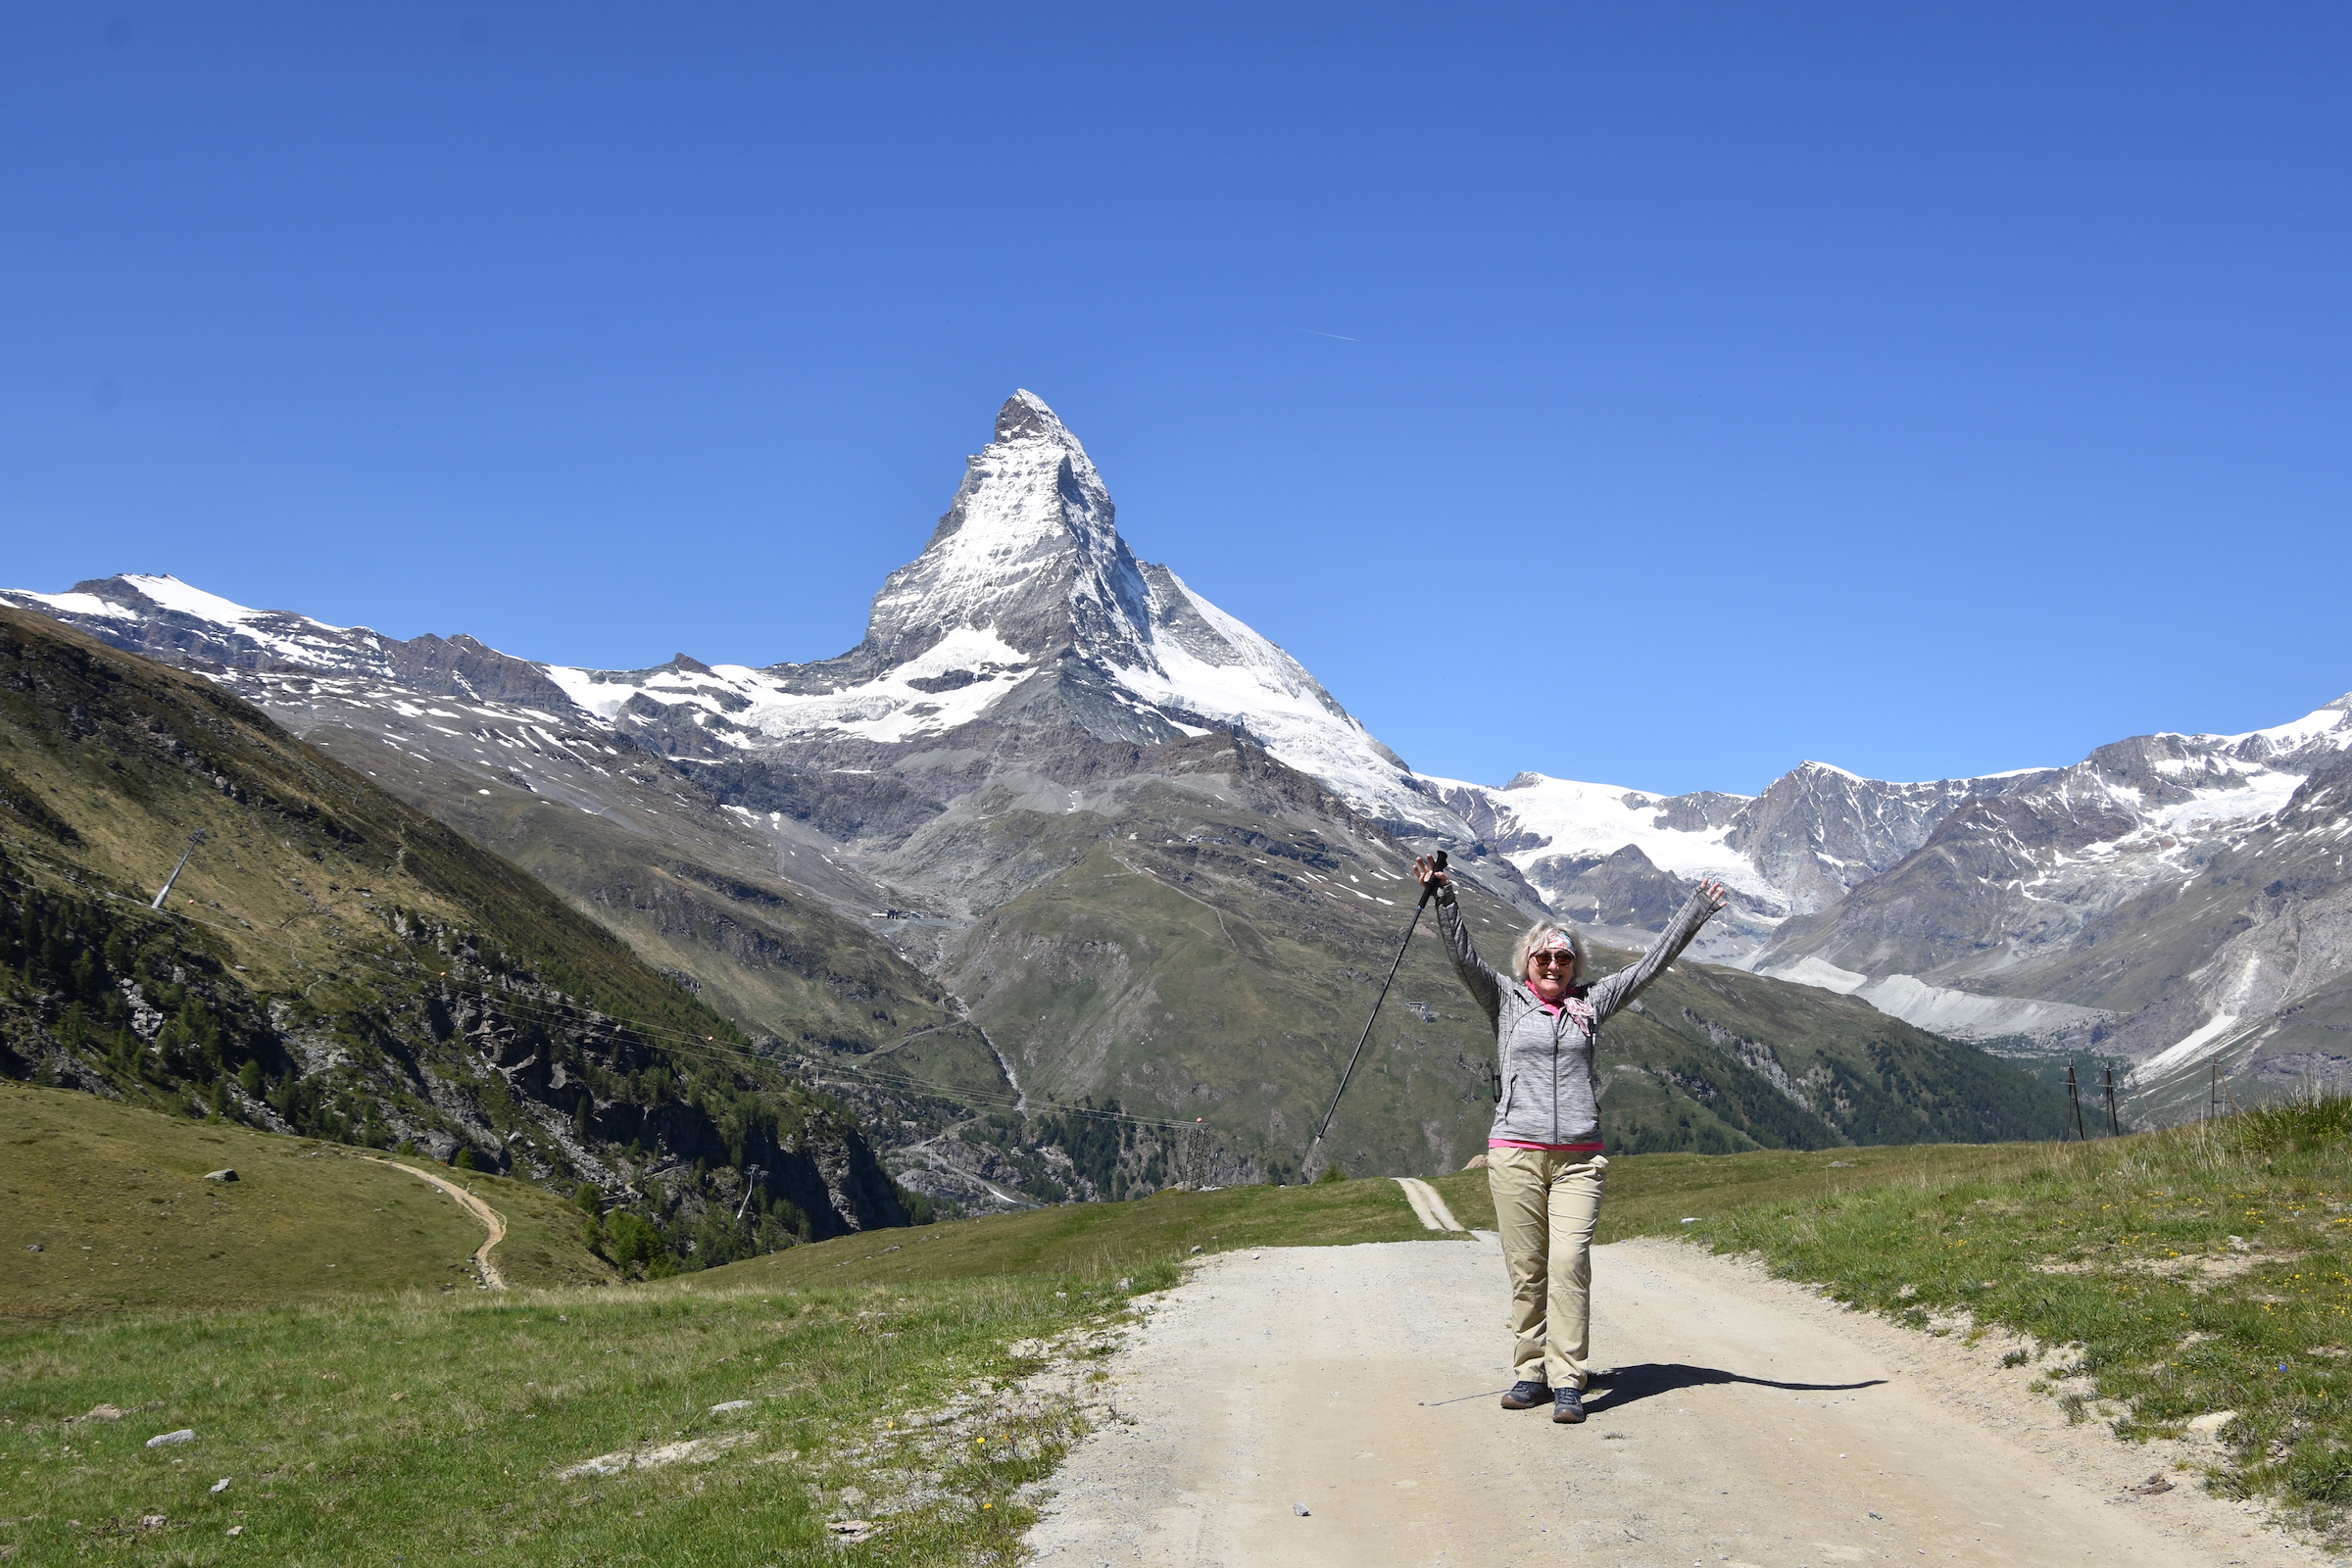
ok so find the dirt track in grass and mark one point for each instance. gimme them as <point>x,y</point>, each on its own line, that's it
<point>492,1221</point>
<point>1746,1422</point>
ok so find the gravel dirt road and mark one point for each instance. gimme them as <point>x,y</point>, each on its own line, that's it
<point>1749,1422</point>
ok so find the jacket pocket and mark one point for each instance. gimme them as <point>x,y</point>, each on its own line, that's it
<point>1510,1096</point>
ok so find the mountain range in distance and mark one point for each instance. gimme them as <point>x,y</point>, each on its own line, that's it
<point>920,865</point>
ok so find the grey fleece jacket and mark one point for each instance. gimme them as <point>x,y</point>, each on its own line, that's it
<point>1550,1084</point>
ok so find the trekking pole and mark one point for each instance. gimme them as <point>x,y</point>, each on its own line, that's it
<point>1428,888</point>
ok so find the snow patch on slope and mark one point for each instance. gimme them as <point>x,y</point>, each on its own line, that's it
<point>2263,792</point>
<point>1961,1014</point>
<point>2195,1047</point>
<point>79,604</point>
<point>1238,679</point>
<point>2331,724</point>
<point>172,594</point>
<point>2210,1038</point>
<point>759,707</point>
<point>1592,820</point>
<point>294,638</point>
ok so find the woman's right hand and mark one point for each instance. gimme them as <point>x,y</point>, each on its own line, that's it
<point>1429,872</point>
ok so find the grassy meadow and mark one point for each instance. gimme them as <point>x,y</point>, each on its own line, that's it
<point>1651,1195</point>
<point>423,1429</point>
<point>1099,1237</point>
<point>112,1196</point>
<point>382,1418</point>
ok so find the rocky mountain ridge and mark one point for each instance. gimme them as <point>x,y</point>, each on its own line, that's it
<point>334,963</point>
<point>856,855</point>
<point>2048,905</point>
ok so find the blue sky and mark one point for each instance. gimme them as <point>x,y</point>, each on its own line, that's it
<point>1653,393</point>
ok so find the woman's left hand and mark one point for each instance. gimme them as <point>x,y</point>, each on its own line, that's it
<point>1716,895</point>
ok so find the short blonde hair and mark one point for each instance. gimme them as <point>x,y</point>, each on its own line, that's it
<point>1542,931</point>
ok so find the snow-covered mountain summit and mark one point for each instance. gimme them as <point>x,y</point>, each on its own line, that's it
<point>1028,549</point>
<point>1027,608</point>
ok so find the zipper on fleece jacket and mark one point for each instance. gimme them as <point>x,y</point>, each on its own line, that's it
<point>1559,1021</point>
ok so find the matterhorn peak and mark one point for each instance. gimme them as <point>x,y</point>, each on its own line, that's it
<point>1025,417</point>
<point>1027,608</point>
<point>1028,552</point>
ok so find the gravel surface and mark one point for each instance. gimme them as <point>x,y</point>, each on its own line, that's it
<point>1749,1422</point>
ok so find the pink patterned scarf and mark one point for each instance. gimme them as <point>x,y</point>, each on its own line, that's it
<point>1576,1007</point>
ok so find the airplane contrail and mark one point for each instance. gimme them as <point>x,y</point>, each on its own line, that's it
<point>1342,338</point>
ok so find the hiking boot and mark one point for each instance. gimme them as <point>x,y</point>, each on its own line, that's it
<point>1567,1405</point>
<point>1525,1396</point>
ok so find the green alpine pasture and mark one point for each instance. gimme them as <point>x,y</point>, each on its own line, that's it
<point>105,1207</point>
<point>1651,1195</point>
<point>422,1429</point>
<point>1101,1238</point>
<point>2152,1280</point>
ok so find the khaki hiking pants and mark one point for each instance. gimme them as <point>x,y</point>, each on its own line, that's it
<point>1547,1205</point>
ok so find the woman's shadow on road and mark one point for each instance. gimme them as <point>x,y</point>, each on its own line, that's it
<point>1646,1380</point>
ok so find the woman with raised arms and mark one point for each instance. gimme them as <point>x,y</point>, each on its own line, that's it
<point>1545,1165</point>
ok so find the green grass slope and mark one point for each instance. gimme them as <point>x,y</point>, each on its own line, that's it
<point>1652,1195</point>
<point>1099,1237</point>
<point>104,1207</point>
<point>2202,1270</point>
<point>431,1429</point>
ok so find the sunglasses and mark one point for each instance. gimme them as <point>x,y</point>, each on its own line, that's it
<point>1552,960</point>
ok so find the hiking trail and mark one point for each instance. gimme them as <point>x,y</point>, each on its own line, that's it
<point>1746,1423</point>
<point>492,1221</point>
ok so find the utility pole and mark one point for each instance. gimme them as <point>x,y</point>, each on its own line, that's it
<point>194,839</point>
<point>2115,1128</point>
<point>2074,1107</point>
<point>750,1183</point>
